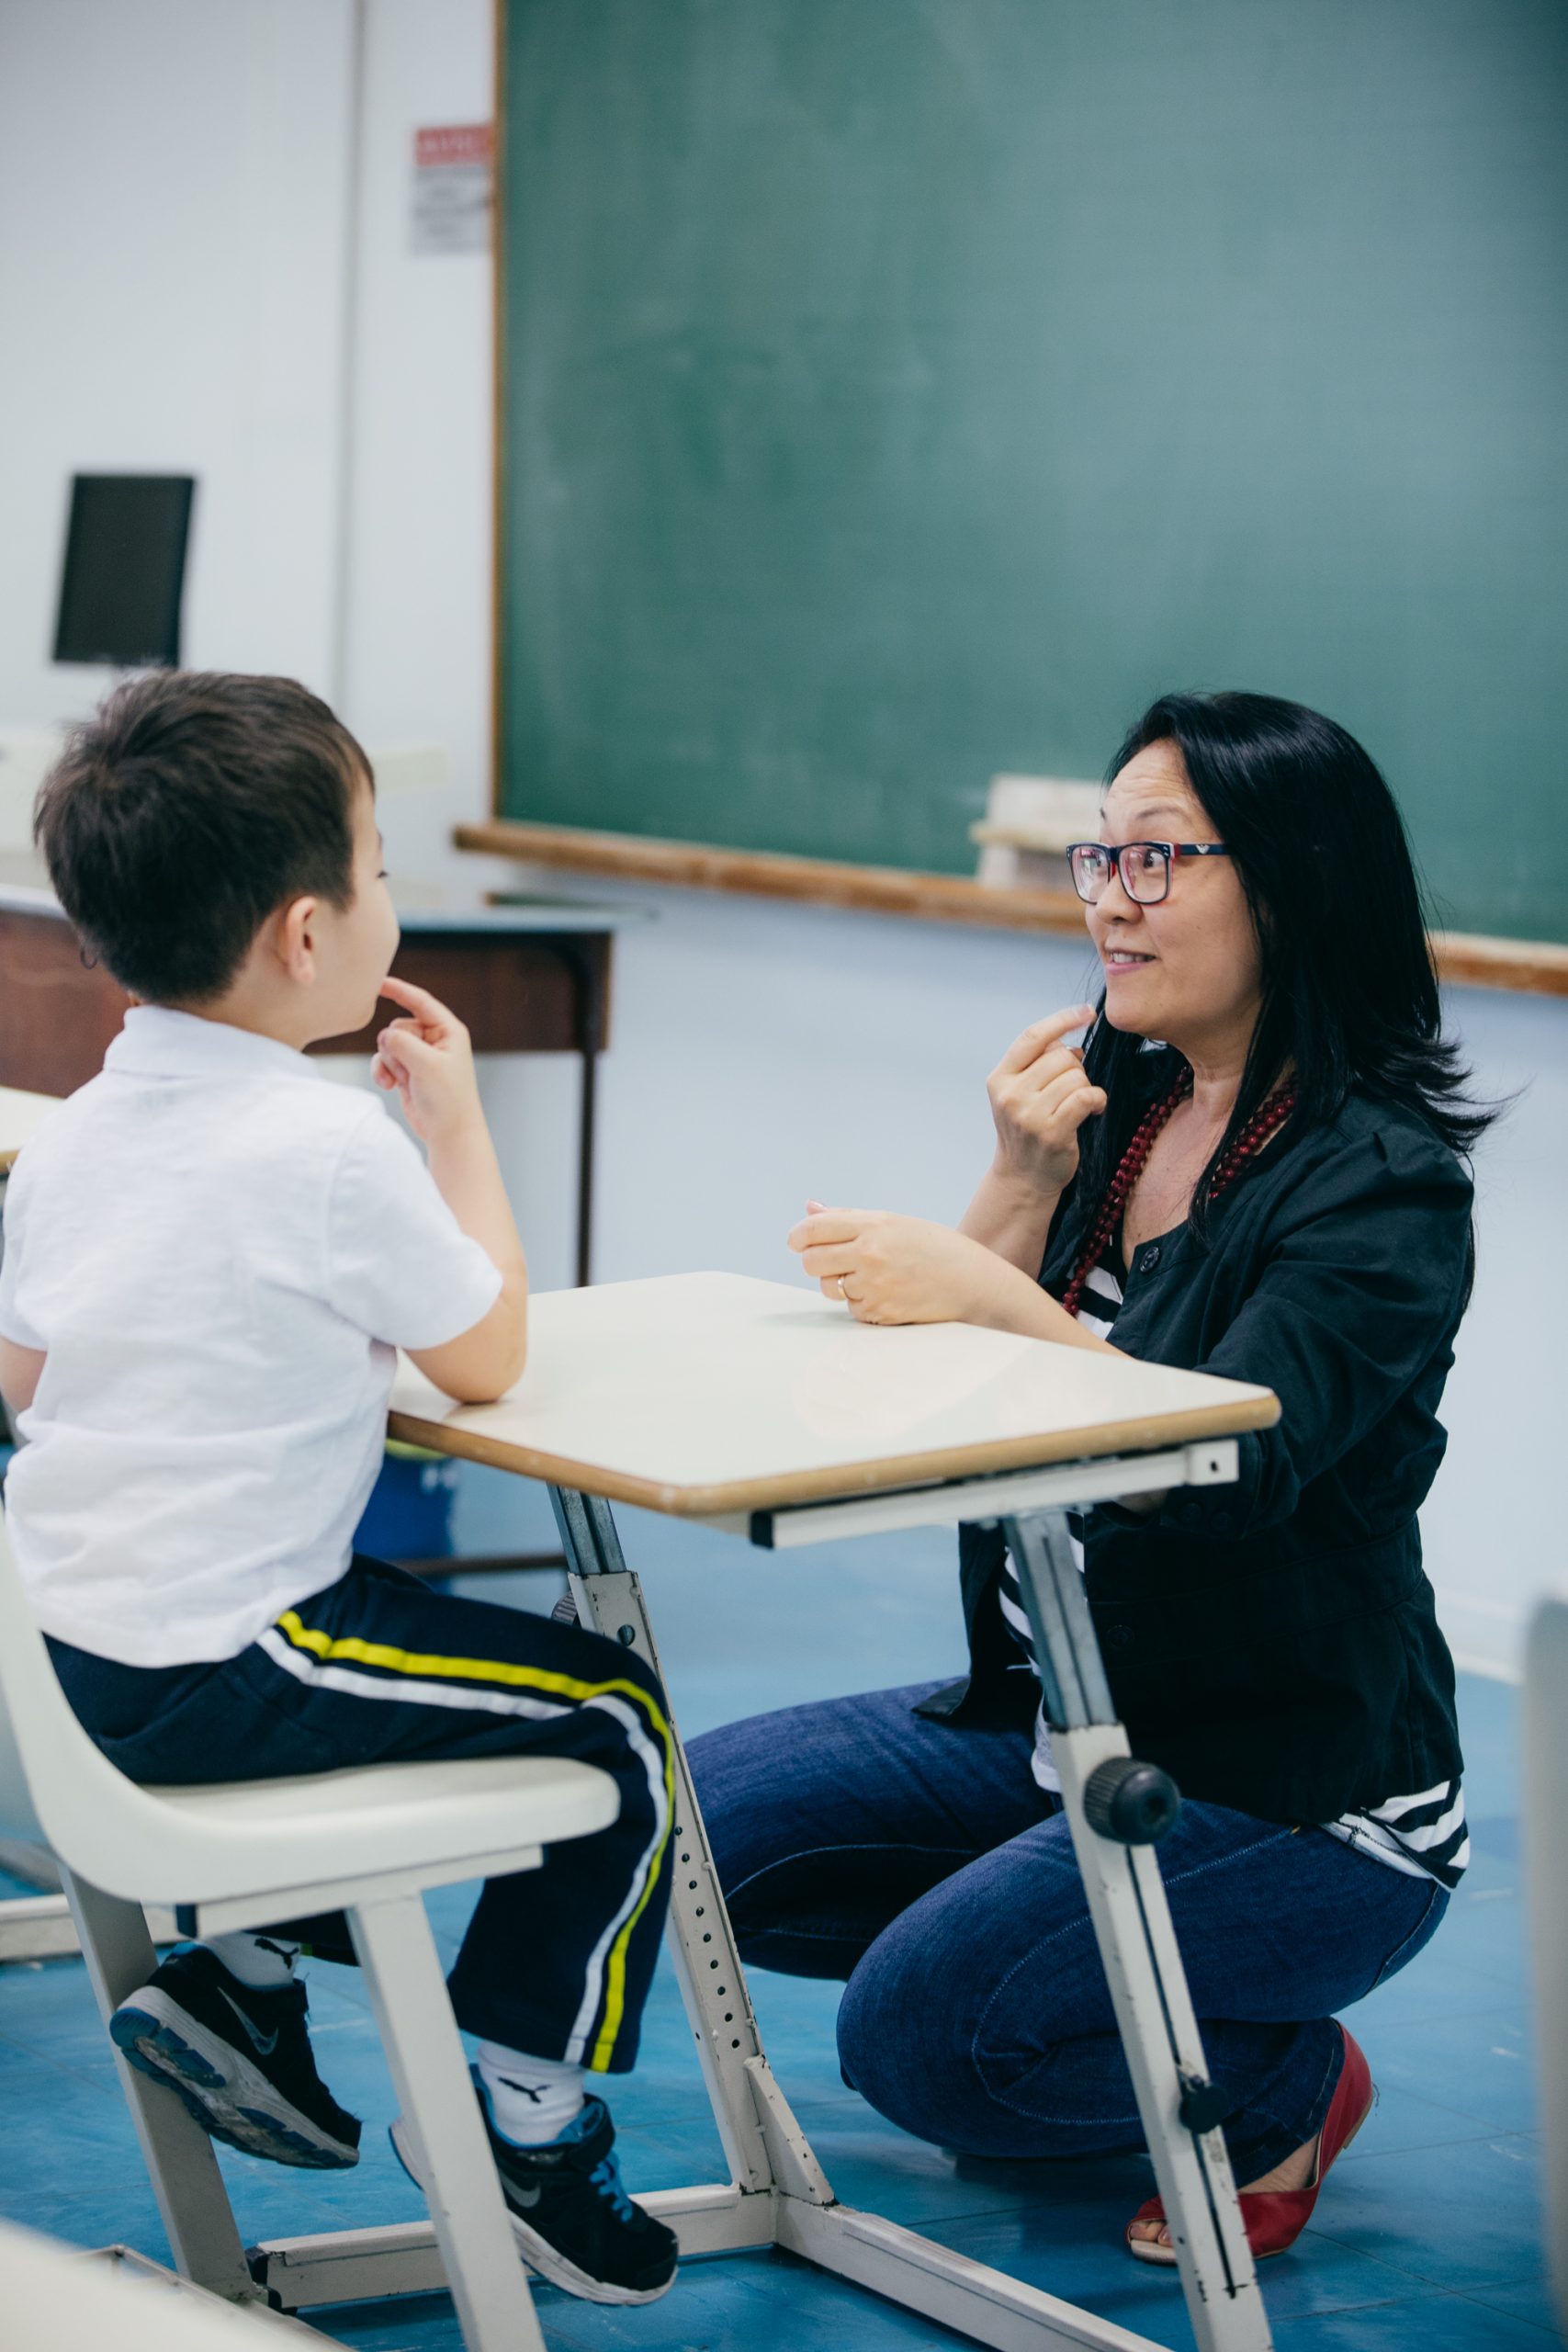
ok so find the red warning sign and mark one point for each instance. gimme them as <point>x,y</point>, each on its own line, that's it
<point>453,143</point>
<point>452,187</point>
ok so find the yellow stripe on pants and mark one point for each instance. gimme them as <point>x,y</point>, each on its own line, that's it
<point>505,1671</point>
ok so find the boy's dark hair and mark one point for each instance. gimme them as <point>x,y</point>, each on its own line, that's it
<point>191,807</point>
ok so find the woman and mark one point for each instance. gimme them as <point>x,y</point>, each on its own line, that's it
<point>1254,1168</point>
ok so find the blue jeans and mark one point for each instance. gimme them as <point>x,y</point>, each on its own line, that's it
<point>920,1863</point>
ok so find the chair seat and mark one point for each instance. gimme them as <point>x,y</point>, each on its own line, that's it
<point>214,1842</point>
<point>243,1854</point>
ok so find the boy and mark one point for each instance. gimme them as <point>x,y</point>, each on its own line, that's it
<point>212,1252</point>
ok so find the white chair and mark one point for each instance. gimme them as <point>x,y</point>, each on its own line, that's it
<point>60,2300</point>
<point>249,1854</point>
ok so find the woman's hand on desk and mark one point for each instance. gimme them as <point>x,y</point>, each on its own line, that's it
<point>891,1268</point>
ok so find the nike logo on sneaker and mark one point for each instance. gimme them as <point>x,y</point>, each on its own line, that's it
<point>263,2044</point>
<point>524,2197</point>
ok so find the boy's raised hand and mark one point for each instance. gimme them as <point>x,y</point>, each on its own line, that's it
<point>427,1059</point>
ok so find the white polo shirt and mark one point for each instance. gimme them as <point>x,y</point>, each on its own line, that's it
<point>219,1250</point>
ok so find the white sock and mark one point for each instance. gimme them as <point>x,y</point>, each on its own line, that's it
<point>263,1962</point>
<point>531,2099</point>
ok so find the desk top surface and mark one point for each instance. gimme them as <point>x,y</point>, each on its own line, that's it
<point>25,889</point>
<point>20,1113</point>
<point>705,1394</point>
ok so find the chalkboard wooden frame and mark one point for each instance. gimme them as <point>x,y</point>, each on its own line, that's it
<point>1538,967</point>
<point>1462,960</point>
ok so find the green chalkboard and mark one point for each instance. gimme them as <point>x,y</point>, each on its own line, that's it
<point>894,391</point>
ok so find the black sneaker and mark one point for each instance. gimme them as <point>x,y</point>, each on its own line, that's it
<point>240,2059</point>
<point>574,2222</point>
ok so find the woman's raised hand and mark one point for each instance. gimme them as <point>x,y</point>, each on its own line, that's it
<point>1040,1098</point>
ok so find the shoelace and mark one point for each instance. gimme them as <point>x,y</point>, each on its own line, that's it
<point>605,2178</point>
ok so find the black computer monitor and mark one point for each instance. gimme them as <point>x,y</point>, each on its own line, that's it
<point>124,576</point>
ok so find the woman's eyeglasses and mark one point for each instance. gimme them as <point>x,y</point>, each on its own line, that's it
<point>1144,866</point>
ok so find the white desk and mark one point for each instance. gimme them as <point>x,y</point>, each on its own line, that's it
<point>713,1396</point>
<point>763,1408</point>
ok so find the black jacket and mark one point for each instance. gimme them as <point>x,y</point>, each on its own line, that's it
<point>1273,1644</point>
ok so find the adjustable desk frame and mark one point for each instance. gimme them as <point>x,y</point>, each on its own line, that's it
<point>778,2193</point>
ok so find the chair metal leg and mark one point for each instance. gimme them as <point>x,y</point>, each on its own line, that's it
<point>180,2160</point>
<point>39,1926</point>
<point>413,2015</point>
<point>36,1927</point>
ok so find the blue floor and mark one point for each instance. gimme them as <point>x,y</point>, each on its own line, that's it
<point>1429,2233</point>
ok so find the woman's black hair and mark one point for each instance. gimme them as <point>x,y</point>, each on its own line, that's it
<point>1350,994</point>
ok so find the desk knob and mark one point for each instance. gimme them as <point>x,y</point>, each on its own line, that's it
<point>1132,1802</point>
<point>1203,2106</point>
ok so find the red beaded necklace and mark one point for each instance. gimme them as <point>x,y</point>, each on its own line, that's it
<point>1267,1119</point>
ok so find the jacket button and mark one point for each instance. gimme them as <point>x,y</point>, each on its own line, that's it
<point>1119,1637</point>
<point>1149,1259</point>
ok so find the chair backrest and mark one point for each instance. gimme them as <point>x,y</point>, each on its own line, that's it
<point>54,1785</point>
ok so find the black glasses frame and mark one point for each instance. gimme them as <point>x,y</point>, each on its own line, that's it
<point>1168,850</point>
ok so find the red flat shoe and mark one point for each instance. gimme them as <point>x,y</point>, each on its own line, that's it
<point>1275,2218</point>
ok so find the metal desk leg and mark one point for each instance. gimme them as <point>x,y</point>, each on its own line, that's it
<point>746,2104</point>
<point>588,958</point>
<point>1179,2109</point>
<point>587,1113</point>
<point>779,2195</point>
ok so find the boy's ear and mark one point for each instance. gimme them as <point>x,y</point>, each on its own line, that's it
<point>294,939</point>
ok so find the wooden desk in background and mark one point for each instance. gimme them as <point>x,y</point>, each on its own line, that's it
<point>527,977</point>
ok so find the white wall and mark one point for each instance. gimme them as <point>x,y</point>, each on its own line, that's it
<point>419,630</point>
<point>174,259</point>
<point>1494,1529</point>
<point>172,200</point>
